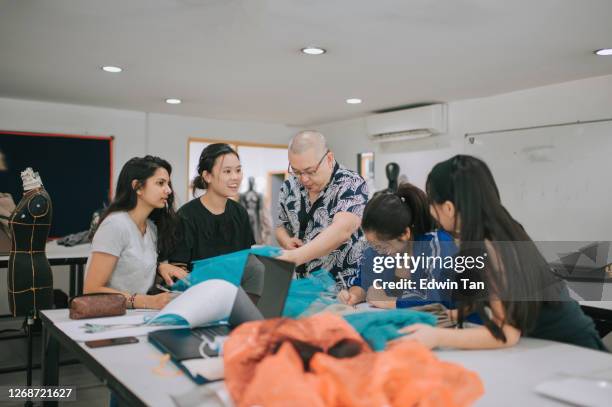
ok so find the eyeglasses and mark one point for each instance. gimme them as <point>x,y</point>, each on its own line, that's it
<point>308,174</point>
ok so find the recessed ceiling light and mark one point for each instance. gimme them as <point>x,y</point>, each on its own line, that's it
<point>353,101</point>
<point>313,51</point>
<point>604,51</point>
<point>111,69</point>
<point>174,101</point>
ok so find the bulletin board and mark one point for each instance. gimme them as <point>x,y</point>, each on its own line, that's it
<point>76,171</point>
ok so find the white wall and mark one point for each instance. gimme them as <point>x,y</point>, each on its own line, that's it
<point>136,134</point>
<point>567,102</point>
<point>127,127</point>
<point>168,136</point>
<point>582,100</point>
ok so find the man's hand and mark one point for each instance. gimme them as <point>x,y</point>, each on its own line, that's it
<point>291,256</point>
<point>292,243</point>
<point>285,240</point>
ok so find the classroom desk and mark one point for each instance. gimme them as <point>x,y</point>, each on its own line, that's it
<point>75,257</point>
<point>509,375</point>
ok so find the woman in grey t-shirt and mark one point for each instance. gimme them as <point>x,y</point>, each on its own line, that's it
<point>138,225</point>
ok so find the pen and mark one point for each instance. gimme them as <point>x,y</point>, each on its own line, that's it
<point>161,287</point>
<point>345,285</point>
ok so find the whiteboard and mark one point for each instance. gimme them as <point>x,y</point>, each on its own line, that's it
<point>555,180</point>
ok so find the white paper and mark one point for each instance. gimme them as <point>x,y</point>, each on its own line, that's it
<point>208,368</point>
<point>76,329</point>
<point>364,306</point>
<point>206,302</point>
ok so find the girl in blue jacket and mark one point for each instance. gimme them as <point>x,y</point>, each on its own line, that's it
<point>406,252</point>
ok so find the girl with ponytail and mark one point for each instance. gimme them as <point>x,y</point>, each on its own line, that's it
<point>398,223</point>
<point>214,224</point>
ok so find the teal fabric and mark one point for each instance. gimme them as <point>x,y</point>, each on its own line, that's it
<point>319,287</point>
<point>380,327</point>
<point>228,267</point>
<point>169,319</point>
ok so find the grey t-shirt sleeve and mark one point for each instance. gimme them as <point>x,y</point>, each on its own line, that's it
<point>111,237</point>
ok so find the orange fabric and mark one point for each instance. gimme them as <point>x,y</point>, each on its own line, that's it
<point>407,374</point>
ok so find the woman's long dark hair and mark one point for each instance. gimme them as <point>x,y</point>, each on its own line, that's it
<point>208,157</point>
<point>388,214</point>
<point>522,276</point>
<point>141,169</point>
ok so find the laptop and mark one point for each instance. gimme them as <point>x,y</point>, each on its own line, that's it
<point>262,294</point>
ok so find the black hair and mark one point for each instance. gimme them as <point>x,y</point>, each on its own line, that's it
<point>208,158</point>
<point>166,220</point>
<point>522,275</point>
<point>388,214</point>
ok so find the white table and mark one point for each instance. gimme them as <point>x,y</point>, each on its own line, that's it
<point>75,257</point>
<point>509,375</point>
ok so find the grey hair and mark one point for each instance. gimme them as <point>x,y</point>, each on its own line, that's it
<point>306,140</point>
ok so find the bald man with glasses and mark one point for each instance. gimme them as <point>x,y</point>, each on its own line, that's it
<point>320,210</point>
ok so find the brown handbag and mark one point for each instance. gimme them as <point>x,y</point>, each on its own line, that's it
<point>97,305</point>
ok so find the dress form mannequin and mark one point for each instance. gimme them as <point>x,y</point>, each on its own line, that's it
<point>392,170</point>
<point>253,203</point>
<point>30,282</point>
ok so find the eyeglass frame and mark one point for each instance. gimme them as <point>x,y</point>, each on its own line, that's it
<point>308,174</point>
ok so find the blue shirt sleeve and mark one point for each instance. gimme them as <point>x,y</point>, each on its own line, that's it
<point>438,245</point>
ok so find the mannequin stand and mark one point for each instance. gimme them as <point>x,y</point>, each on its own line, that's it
<point>29,325</point>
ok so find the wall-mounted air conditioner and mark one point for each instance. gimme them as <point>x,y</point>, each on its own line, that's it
<point>408,124</point>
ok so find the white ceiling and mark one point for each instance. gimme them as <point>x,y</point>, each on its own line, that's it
<point>240,59</point>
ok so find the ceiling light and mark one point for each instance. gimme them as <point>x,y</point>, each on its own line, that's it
<point>174,101</point>
<point>604,51</point>
<point>111,69</point>
<point>313,51</point>
<point>353,101</point>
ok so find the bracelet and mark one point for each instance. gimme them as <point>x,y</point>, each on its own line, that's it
<point>131,301</point>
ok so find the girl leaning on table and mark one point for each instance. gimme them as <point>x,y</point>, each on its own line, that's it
<point>521,296</point>
<point>137,228</point>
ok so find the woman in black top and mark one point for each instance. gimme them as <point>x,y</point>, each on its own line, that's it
<point>518,295</point>
<point>213,224</point>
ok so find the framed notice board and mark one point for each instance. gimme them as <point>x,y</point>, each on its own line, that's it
<point>75,170</point>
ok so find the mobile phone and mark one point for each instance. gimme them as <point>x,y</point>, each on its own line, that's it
<point>111,342</point>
